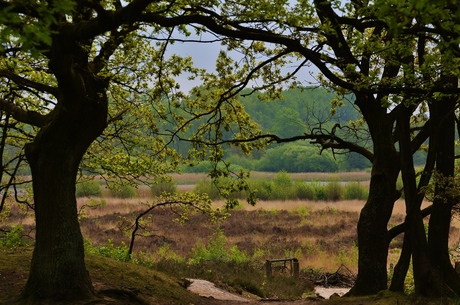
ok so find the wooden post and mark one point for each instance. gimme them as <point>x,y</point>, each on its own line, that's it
<point>296,268</point>
<point>268,268</point>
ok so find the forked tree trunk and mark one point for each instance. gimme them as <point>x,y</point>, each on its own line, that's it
<point>58,269</point>
<point>415,242</point>
<point>373,238</point>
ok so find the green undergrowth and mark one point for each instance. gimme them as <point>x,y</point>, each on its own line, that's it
<point>216,261</point>
<point>155,285</point>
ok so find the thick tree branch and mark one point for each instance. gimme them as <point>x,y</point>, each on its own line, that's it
<point>28,83</point>
<point>29,117</point>
<point>325,140</point>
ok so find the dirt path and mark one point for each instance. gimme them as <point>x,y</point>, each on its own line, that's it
<point>209,290</point>
<point>219,296</point>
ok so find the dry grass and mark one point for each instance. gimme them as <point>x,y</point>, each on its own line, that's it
<point>342,176</point>
<point>322,235</point>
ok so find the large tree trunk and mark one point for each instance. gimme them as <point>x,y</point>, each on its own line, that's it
<point>58,269</point>
<point>373,238</point>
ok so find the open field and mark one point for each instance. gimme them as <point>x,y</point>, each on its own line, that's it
<point>322,235</point>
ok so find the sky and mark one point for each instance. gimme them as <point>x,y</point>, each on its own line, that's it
<point>205,54</point>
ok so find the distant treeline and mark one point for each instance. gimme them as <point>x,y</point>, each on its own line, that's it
<point>300,111</point>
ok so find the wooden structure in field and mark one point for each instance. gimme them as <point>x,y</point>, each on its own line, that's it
<point>290,265</point>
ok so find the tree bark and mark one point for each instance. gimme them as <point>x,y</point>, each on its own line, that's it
<point>58,269</point>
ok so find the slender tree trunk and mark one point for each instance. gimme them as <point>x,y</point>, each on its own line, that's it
<point>439,224</point>
<point>415,242</point>
<point>58,269</point>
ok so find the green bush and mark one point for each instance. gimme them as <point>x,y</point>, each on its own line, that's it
<point>319,190</point>
<point>164,187</point>
<point>305,191</point>
<point>283,192</point>
<point>217,249</point>
<point>207,187</point>
<point>13,238</point>
<point>283,179</point>
<point>334,191</point>
<point>264,188</point>
<point>88,188</point>
<point>355,190</point>
<point>123,191</point>
<point>119,253</point>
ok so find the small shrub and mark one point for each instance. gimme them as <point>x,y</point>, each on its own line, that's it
<point>304,191</point>
<point>264,189</point>
<point>283,179</point>
<point>320,190</point>
<point>334,191</point>
<point>303,211</point>
<point>88,188</point>
<point>119,253</point>
<point>355,190</point>
<point>217,249</point>
<point>207,187</point>
<point>13,238</point>
<point>164,187</point>
<point>281,192</point>
<point>123,191</point>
